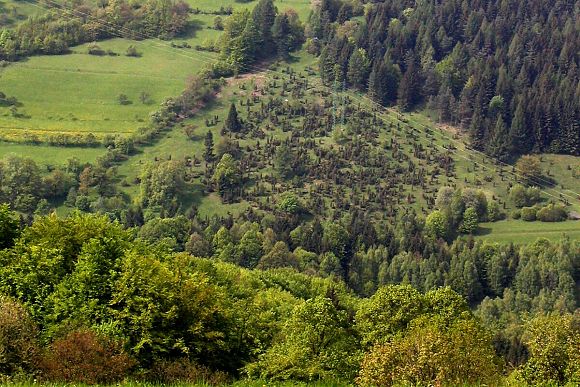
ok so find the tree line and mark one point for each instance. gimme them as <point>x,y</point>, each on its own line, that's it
<point>54,32</point>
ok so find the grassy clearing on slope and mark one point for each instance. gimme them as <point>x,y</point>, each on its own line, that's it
<point>519,231</point>
<point>79,92</point>
<point>49,155</point>
<point>13,12</point>
<point>302,7</point>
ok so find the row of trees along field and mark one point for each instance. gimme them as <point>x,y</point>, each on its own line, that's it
<point>84,300</point>
<point>508,72</point>
<point>83,22</point>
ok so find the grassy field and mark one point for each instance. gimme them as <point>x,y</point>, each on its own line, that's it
<point>518,231</point>
<point>79,92</point>
<point>49,155</point>
<point>13,12</point>
<point>302,7</point>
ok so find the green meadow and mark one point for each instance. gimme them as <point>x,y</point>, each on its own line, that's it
<point>45,155</point>
<point>302,7</point>
<point>519,231</point>
<point>80,92</point>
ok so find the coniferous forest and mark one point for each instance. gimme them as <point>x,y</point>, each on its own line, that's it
<point>506,71</point>
<point>321,202</point>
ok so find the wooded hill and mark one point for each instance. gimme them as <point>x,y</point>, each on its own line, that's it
<point>505,71</point>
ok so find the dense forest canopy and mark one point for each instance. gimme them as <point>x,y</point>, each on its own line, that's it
<point>352,257</point>
<point>84,300</point>
<point>508,72</point>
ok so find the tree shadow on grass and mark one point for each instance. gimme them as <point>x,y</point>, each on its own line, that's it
<point>481,231</point>
<point>191,28</point>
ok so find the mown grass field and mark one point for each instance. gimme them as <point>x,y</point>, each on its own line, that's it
<point>13,12</point>
<point>45,155</point>
<point>302,7</point>
<point>80,92</point>
<point>519,231</point>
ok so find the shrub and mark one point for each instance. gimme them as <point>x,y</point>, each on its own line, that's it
<point>123,99</point>
<point>533,195</point>
<point>132,51</point>
<point>529,214</point>
<point>184,370</point>
<point>84,357</point>
<point>432,353</point>
<point>516,214</point>
<point>18,339</point>
<point>9,227</point>
<point>494,212</point>
<point>552,213</point>
<point>94,49</point>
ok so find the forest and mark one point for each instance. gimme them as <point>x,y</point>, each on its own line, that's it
<point>315,205</point>
<point>87,300</point>
<point>508,72</point>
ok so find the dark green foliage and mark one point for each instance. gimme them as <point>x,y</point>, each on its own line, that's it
<point>85,272</point>
<point>261,34</point>
<point>9,227</point>
<point>473,61</point>
<point>233,124</point>
<point>208,154</point>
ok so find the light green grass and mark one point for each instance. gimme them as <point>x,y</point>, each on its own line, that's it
<point>519,231</point>
<point>561,168</point>
<point>302,7</point>
<point>49,155</point>
<point>79,92</point>
<point>13,12</point>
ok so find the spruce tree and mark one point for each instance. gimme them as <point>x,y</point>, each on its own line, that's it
<point>358,69</point>
<point>263,16</point>
<point>281,35</point>
<point>499,146</point>
<point>520,139</point>
<point>208,155</point>
<point>232,123</point>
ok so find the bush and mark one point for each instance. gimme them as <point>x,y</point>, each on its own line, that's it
<point>516,214</point>
<point>494,212</point>
<point>432,353</point>
<point>552,213</point>
<point>18,339</point>
<point>185,371</point>
<point>529,214</point>
<point>132,51</point>
<point>94,49</point>
<point>84,357</point>
<point>9,227</point>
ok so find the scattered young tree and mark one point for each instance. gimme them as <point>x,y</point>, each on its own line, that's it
<point>232,123</point>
